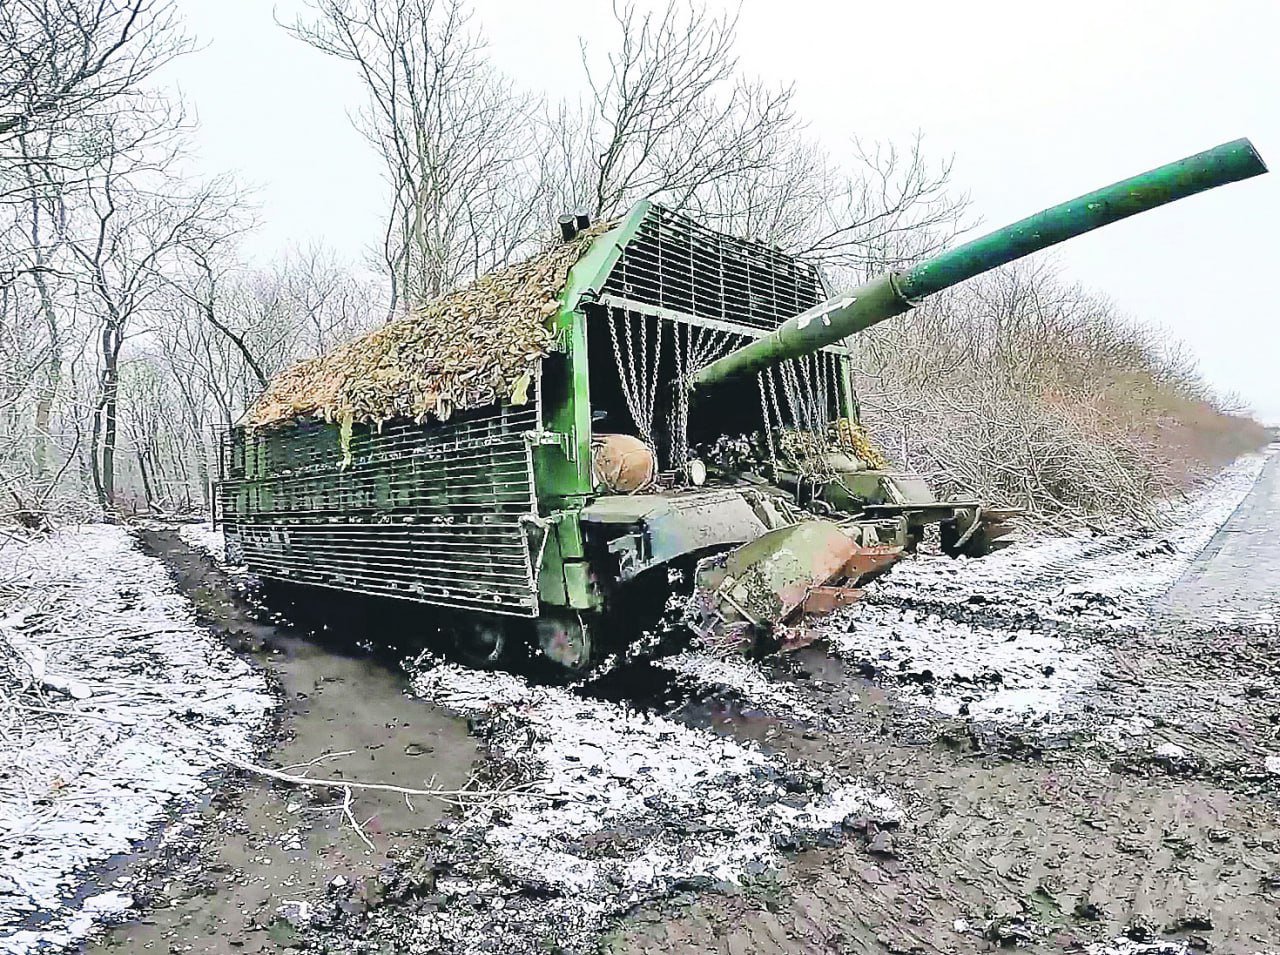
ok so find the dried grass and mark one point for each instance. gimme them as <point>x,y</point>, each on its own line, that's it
<point>465,350</point>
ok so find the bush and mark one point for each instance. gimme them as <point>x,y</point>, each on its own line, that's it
<point>1021,390</point>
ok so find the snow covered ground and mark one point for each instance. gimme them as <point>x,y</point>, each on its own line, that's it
<point>997,639</point>
<point>128,695</point>
<point>205,538</point>
<point>113,698</point>
<point>625,806</point>
<point>1124,946</point>
<point>746,680</point>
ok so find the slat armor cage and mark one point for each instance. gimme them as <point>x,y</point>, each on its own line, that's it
<point>446,513</point>
<point>682,266</point>
<point>438,513</point>
<point>681,295</point>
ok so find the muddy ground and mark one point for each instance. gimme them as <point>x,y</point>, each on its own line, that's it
<point>262,847</point>
<point>1113,789</point>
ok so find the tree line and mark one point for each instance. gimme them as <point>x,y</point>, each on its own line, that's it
<point>133,329</point>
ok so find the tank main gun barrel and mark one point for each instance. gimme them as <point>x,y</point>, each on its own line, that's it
<point>896,292</point>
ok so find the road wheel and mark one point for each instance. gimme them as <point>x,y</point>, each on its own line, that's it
<point>482,642</point>
<point>565,639</point>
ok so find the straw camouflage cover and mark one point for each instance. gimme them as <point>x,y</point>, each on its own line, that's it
<point>464,350</point>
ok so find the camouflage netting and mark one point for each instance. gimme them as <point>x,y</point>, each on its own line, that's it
<point>807,450</point>
<point>461,351</point>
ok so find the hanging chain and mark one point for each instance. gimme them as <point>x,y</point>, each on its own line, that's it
<point>678,429</point>
<point>638,372</point>
<point>768,423</point>
<point>628,373</point>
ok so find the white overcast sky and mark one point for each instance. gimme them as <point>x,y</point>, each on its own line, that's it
<point>1037,100</point>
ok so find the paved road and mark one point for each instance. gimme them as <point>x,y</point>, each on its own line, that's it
<point>1237,577</point>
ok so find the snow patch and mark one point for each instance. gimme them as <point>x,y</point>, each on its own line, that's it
<point>115,733</point>
<point>1010,667</point>
<point>961,669</point>
<point>1124,946</point>
<point>204,537</point>
<point>625,805</point>
<point>744,678</point>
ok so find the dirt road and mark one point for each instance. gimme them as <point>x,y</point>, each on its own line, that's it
<point>264,852</point>
<point>1143,816</point>
<point>1058,747</point>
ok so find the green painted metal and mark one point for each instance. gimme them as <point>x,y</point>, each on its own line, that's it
<point>1223,164</point>
<point>562,472</point>
<point>895,293</point>
<point>582,590</point>
<point>806,333</point>
<point>768,578</point>
<point>551,585</point>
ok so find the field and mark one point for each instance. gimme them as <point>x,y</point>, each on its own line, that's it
<point>1067,746</point>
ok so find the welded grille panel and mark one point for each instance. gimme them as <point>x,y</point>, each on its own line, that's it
<point>436,513</point>
<point>675,263</point>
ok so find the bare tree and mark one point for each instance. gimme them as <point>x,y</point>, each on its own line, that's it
<point>219,333</point>
<point>67,67</point>
<point>298,307</point>
<point>669,116</point>
<point>135,222</point>
<point>452,132</point>
<point>672,117</point>
<point>1024,389</point>
<point>885,207</point>
<point>64,61</point>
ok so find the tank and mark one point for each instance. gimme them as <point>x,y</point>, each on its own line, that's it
<point>540,459</point>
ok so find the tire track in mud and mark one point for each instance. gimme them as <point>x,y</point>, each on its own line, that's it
<point>632,807</point>
<point>1048,829</point>
<point>998,832</point>
<point>264,862</point>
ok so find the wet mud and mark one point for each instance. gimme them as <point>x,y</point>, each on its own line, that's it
<point>1139,815</point>
<point>265,857</point>
<point>1064,836</point>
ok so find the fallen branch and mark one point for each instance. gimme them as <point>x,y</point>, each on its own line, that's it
<point>457,797</point>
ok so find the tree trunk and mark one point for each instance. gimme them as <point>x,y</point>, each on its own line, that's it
<point>109,431</point>
<point>52,382</point>
<point>105,421</point>
<point>53,377</point>
<point>238,341</point>
<point>95,464</point>
<point>146,481</point>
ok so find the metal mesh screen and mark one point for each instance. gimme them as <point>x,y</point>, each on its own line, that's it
<point>436,513</point>
<point>675,263</point>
